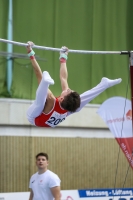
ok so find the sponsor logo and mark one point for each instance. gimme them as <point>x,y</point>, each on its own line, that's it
<point>127,153</point>
<point>128,116</point>
<point>106,193</point>
<point>67,198</point>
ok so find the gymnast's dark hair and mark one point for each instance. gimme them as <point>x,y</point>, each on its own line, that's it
<point>42,154</point>
<point>71,102</point>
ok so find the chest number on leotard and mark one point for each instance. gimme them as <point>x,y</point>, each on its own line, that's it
<point>55,119</point>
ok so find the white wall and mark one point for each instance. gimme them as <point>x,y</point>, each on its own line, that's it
<point>14,113</point>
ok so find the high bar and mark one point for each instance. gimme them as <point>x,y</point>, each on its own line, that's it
<point>70,50</point>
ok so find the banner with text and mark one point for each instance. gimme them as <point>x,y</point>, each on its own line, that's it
<point>88,194</point>
<point>108,194</point>
<point>117,114</point>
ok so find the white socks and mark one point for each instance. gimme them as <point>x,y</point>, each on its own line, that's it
<point>47,78</point>
<point>89,95</point>
<point>110,82</point>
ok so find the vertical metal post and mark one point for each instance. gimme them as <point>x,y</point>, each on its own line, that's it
<point>131,81</point>
<point>9,47</point>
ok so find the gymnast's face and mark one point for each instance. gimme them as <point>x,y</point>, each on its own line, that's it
<point>42,162</point>
<point>66,92</point>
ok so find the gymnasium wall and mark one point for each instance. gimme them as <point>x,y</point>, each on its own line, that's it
<point>83,153</point>
<point>79,162</point>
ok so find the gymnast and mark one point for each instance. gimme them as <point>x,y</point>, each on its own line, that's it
<point>48,110</point>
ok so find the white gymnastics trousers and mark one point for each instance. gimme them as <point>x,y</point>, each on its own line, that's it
<point>37,106</point>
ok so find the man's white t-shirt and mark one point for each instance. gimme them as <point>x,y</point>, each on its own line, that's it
<point>41,184</point>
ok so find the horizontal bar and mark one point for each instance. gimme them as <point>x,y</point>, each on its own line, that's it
<point>17,55</point>
<point>70,50</point>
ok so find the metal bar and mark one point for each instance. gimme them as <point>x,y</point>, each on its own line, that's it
<point>17,55</point>
<point>9,47</point>
<point>131,81</point>
<point>70,50</point>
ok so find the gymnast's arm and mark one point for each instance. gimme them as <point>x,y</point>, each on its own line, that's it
<point>63,70</point>
<point>37,70</point>
<point>35,65</point>
<point>63,76</point>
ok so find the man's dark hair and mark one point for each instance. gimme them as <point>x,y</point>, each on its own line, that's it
<point>71,102</point>
<point>42,154</point>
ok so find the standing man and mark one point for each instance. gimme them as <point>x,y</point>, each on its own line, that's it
<point>44,184</point>
<point>48,110</point>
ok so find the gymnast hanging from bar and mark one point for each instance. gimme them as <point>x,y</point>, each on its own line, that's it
<point>48,110</point>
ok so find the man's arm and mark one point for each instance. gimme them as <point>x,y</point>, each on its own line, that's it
<point>56,192</point>
<point>31,194</point>
<point>37,70</point>
<point>63,76</point>
<point>35,65</point>
<point>63,68</point>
